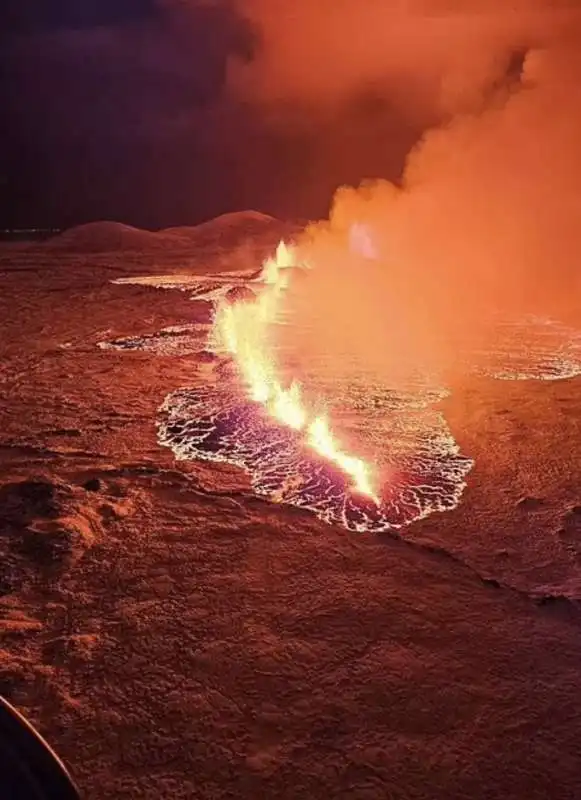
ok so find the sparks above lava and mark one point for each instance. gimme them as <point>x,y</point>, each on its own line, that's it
<point>241,328</point>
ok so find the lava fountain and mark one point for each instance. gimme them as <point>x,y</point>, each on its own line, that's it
<point>242,329</point>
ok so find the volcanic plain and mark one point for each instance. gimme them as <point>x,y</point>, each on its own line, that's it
<point>174,634</point>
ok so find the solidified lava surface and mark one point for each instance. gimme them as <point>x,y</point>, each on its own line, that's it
<point>531,348</point>
<point>419,464</point>
<point>206,423</point>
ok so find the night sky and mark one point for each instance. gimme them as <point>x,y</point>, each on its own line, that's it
<point>169,112</point>
<point>103,102</point>
<point>116,109</point>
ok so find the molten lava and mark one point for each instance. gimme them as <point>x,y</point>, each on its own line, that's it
<point>241,329</point>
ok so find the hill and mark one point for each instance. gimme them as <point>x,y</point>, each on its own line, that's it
<point>233,229</point>
<point>106,237</point>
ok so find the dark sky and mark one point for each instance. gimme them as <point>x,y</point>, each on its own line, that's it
<point>116,109</point>
<point>102,103</point>
<point>124,110</point>
<point>36,15</point>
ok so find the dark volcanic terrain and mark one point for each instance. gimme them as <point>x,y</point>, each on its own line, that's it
<point>175,636</point>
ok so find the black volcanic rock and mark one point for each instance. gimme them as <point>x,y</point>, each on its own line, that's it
<point>49,544</point>
<point>529,503</point>
<point>26,500</point>
<point>93,485</point>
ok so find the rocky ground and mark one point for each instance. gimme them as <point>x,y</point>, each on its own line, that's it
<point>174,636</point>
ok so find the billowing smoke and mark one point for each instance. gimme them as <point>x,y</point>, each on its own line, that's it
<point>427,58</point>
<point>487,217</point>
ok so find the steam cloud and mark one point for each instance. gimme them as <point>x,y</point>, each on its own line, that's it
<point>487,215</point>
<point>427,57</point>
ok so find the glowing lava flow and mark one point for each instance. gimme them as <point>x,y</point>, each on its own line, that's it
<point>242,329</point>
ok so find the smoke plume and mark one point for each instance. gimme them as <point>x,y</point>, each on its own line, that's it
<point>486,217</point>
<point>427,58</point>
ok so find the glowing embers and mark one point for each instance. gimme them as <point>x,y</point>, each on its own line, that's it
<point>424,470</point>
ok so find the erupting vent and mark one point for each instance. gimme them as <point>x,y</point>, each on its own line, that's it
<point>244,408</point>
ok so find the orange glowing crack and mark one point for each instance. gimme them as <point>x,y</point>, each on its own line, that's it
<point>241,328</point>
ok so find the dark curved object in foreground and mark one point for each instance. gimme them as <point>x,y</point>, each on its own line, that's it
<point>29,769</point>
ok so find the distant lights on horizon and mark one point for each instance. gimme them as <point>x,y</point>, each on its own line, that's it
<point>30,230</point>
